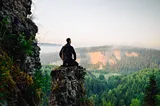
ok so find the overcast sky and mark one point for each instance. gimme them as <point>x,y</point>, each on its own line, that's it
<point>98,22</point>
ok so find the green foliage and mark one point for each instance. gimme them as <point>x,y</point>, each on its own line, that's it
<point>37,89</point>
<point>12,79</point>
<point>109,104</point>
<point>5,76</point>
<point>85,102</point>
<point>151,92</point>
<point>101,77</point>
<point>42,82</point>
<point>120,90</point>
<point>158,99</point>
<point>42,86</point>
<point>135,102</point>
<point>25,45</point>
<point>15,45</point>
<point>3,29</point>
<point>104,103</point>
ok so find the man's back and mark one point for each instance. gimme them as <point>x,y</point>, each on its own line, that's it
<point>67,52</point>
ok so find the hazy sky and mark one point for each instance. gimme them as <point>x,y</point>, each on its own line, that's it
<point>98,22</point>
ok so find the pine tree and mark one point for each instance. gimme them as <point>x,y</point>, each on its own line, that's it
<point>109,104</point>
<point>151,92</point>
<point>135,102</point>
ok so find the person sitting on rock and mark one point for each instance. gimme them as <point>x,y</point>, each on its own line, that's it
<point>66,54</point>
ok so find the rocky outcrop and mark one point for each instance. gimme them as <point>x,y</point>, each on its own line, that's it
<point>67,87</point>
<point>19,54</point>
<point>17,28</point>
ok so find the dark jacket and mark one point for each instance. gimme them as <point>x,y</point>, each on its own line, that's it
<point>66,52</point>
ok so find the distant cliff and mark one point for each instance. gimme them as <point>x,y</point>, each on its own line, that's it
<point>67,87</point>
<point>111,58</point>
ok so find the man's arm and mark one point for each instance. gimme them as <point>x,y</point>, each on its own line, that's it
<point>61,53</point>
<point>74,53</point>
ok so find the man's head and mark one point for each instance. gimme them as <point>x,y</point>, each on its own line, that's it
<point>68,40</point>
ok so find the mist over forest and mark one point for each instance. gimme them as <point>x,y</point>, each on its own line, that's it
<point>115,58</point>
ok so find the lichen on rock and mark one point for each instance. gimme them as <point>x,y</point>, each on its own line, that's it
<point>14,83</point>
<point>67,86</point>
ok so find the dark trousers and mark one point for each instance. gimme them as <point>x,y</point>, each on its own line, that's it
<point>70,62</point>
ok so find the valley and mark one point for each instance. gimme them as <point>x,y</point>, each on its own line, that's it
<point>110,58</point>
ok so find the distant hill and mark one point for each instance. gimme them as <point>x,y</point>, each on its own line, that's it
<point>111,58</point>
<point>48,44</point>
